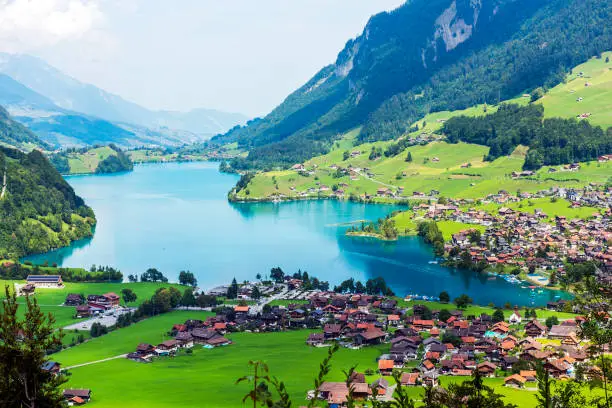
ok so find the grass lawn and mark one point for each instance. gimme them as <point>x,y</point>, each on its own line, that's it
<point>50,300</point>
<point>87,162</point>
<point>206,378</point>
<point>125,340</point>
<point>287,302</point>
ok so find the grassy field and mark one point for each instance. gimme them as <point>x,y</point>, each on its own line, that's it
<point>206,378</point>
<point>436,166</point>
<point>562,100</point>
<point>477,310</point>
<point>50,300</point>
<point>82,163</point>
<point>439,165</point>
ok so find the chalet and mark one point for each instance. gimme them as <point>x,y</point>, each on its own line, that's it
<point>167,347</point>
<point>385,367</point>
<point>535,329</point>
<point>515,381</point>
<point>241,309</point>
<point>77,396</point>
<point>487,369</point>
<point>298,167</point>
<point>83,311</point>
<point>410,379</point>
<point>529,375</point>
<point>380,386</point>
<point>369,337</point>
<point>556,368</point>
<point>184,339</point>
<point>203,336</point>
<point>315,339</point>
<point>218,341</point>
<point>51,367</point>
<point>561,332</point>
<point>112,299</point>
<point>332,331</point>
<point>45,281</point>
<point>74,299</point>
<point>422,325</point>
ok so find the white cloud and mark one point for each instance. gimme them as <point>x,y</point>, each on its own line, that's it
<point>29,24</point>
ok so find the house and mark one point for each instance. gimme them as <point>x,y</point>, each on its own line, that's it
<point>74,299</point>
<point>167,347</point>
<point>385,367</point>
<point>515,317</point>
<point>560,332</point>
<point>529,375</point>
<point>241,309</point>
<point>112,299</point>
<point>410,379</point>
<point>26,290</point>
<point>83,311</point>
<point>487,369</point>
<point>535,329</point>
<point>184,339</point>
<point>515,381</point>
<point>315,339</point>
<point>45,281</point>
<point>51,367</point>
<point>335,393</point>
<point>77,396</point>
<point>145,350</point>
<point>332,331</point>
<point>372,336</point>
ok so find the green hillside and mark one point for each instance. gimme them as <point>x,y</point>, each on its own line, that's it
<point>457,170</point>
<point>13,134</point>
<point>100,159</point>
<point>587,90</point>
<point>426,56</point>
<point>38,208</point>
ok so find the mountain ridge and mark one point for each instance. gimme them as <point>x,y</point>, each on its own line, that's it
<point>423,57</point>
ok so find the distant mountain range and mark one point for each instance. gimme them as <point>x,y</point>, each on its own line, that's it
<point>427,56</point>
<point>66,112</point>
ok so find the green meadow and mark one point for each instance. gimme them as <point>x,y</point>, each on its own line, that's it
<point>592,82</point>
<point>81,163</point>
<point>51,300</point>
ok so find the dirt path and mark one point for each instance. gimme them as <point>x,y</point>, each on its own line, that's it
<point>95,362</point>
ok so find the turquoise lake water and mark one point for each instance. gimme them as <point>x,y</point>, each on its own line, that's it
<point>176,217</point>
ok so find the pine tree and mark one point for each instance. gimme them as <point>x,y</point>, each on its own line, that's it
<point>409,157</point>
<point>22,354</point>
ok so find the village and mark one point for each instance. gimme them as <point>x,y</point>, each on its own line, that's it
<point>422,344</point>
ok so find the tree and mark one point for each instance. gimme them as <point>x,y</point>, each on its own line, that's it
<point>544,395</point>
<point>444,297</point>
<point>128,295</point>
<point>255,293</point>
<point>551,321</point>
<point>232,291</point>
<point>444,315</point>
<point>498,316</point>
<point>188,279</point>
<point>463,301</point>
<point>258,276</point>
<point>345,155</point>
<point>277,275</point>
<point>153,275</point>
<point>22,354</point>
<point>188,298</point>
<point>133,278</point>
<point>409,157</point>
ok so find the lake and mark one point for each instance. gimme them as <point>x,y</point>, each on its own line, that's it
<point>176,216</point>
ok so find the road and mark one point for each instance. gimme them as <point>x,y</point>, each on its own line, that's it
<point>95,362</point>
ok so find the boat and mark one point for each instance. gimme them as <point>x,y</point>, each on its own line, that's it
<point>433,262</point>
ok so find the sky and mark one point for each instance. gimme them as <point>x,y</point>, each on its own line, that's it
<point>233,55</point>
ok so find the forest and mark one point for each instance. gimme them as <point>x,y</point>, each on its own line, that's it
<point>39,209</point>
<point>551,141</point>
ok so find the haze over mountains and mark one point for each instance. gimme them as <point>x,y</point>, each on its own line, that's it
<point>427,56</point>
<point>66,112</point>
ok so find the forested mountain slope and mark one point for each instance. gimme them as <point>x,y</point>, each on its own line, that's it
<point>427,56</point>
<point>39,211</point>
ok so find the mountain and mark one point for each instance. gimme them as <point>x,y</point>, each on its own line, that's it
<point>73,95</point>
<point>38,208</point>
<point>60,127</point>
<point>427,56</point>
<point>14,134</point>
